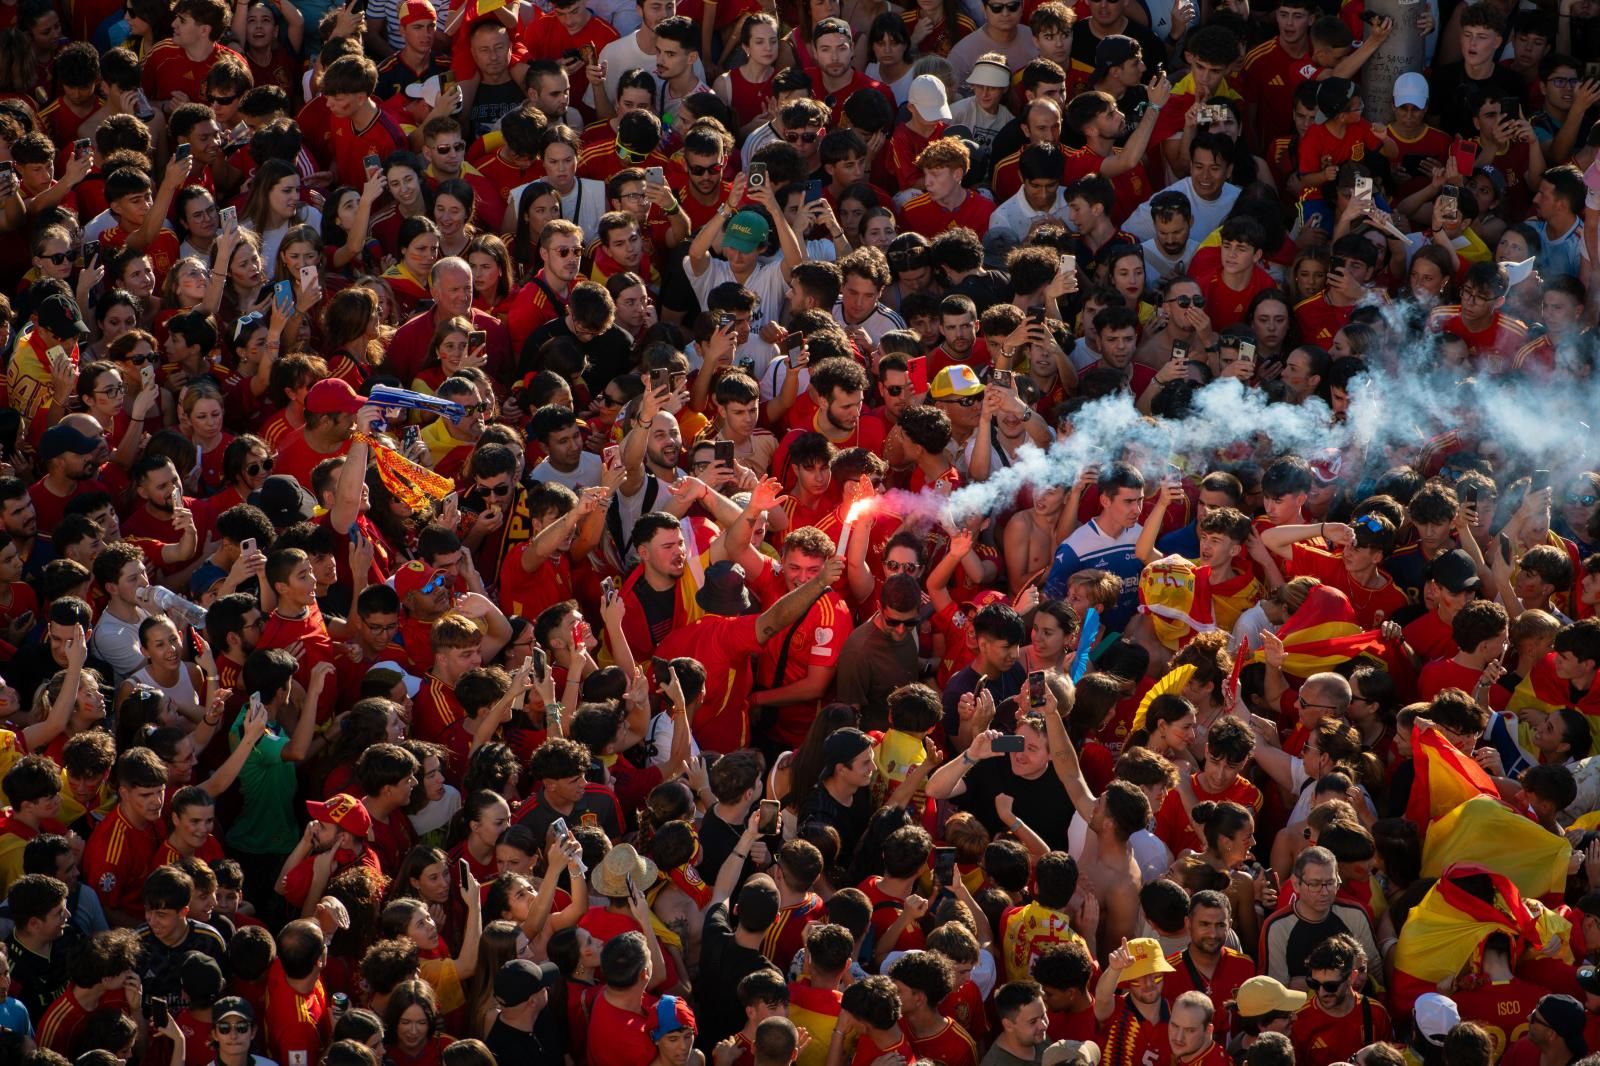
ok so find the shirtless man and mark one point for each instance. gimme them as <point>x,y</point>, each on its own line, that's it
<point>1032,536</point>
<point>1112,874</point>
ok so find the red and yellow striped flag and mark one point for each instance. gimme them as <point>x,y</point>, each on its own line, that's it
<point>1445,778</point>
<point>1323,633</point>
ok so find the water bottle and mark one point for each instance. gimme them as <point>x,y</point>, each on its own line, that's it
<point>182,611</point>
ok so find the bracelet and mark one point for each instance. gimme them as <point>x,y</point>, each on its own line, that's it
<point>741,855</point>
<point>837,236</point>
<point>1014,823</point>
<point>1322,530</point>
<point>968,759</point>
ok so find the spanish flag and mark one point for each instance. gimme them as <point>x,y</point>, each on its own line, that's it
<point>1324,633</point>
<point>1447,929</point>
<point>1484,830</point>
<point>1182,600</point>
<point>1542,690</point>
<point>1445,778</point>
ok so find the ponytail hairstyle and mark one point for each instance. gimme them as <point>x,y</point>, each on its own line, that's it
<point>1208,654</point>
<point>1341,743</point>
<point>668,802</point>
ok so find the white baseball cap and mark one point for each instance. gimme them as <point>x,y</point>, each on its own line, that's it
<point>1435,1015</point>
<point>927,95</point>
<point>1411,88</point>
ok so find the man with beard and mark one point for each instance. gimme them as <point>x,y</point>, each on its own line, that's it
<point>836,392</point>
<point>71,460</point>
<point>1339,1021</point>
<point>833,46</point>
<point>1134,1018</point>
<point>163,514</point>
<point>1207,968</point>
<point>958,332</point>
<point>704,190</point>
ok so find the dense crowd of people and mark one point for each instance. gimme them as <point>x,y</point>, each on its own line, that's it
<point>667,532</point>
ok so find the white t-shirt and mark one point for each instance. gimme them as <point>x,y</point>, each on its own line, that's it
<point>586,476</point>
<point>882,319</point>
<point>273,238</point>
<point>624,54</point>
<point>1208,214</point>
<point>117,643</point>
<point>766,281</point>
<point>663,730</point>
<point>1016,215</point>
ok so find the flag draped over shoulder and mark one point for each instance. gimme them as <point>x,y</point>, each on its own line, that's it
<point>1484,830</point>
<point>1182,599</point>
<point>1446,930</point>
<point>1543,690</point>
<point>1324,633</point>
<point>1445,778</point>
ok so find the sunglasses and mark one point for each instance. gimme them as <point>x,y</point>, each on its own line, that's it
<point>898,623</point>
<point>229,1028</point>
<point>1016,5</point>
<point>138,360</point>
<point>700,172</point>
<point>434,584</point>
<point>241,327</point>
<point>264,466</point>
<point>964,401</point>
<point>803,137</point>
<point>895,390</point>
<point>56,257</point>
<point>564,253</point>
<point>1326,986</point>
<point>450,149</point>
<point>222,100</point>
<point>1189,301</point>
<point>475,408</point>
<point>495,490</point>
<point>1586,501</point>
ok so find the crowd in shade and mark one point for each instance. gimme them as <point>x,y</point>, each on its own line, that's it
<point>821,532</point>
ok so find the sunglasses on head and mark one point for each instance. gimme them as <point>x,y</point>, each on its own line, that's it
<point>701,171</point>
<point>1586,501</point>
<point>264,466</point>
<point>241,327</point>
<point>803,136</point>
<point>56,257</point>
<point>1326,986</point>
<point>1369,523</point>
<point>1196,301</point>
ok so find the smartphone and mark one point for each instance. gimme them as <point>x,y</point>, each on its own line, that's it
<point>1363,187</point>
<point>1180,353</point>
<point>541,662</point>
<point>724,320</point>
<point>768,825</point>
<point>247,545</point>
<point>722,451</point>
<point>1465,155</point>
<point>7,166</point>
<point>610,453</point>
<point>308,277</point>
<point>791,340</point>
<point>142,108</point>
<point>608,588</point>
<point>813,190</point>
<point>757,176</point>
<point>80,146</point>
<point>372,163</point>
<point>798,357</point>
<point>559,827</point>
<point>230,219</point>
<point>283,292</point>
<point>1539,481</point>
<point>411,435</point>
<point>1591,72</point>
<point>477,339</point>
<point>184,152</point>
<point>552,719</point>
<point>587,53</point>
<point>56,354</point>
<point>147,376</point>
<point>660,378</point>
<point>662,669</point>
<point>91,250</point>
<point>1009,743</point>
<point>462,872</point>
<point>1510,107</point>
<point>944,865</point>
<point>159,1015</point>
<point>1003,379</point>
<point>917,367</point>
<point>1247,352</point>
<point>1036,689</point>
<point>633,890</point>
<point>1036,316</point>
<point>655,176</point>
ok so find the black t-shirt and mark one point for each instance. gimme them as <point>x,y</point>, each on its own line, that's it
<point>1002,688</point>
<point>658,608</point>
<point>512,1045</point>
<point>1042,802</point>
<point>724,962</point>
<point>1084,44</point>
<point>489,105</point>
<point>609,355</point>
<point>1456,97</point>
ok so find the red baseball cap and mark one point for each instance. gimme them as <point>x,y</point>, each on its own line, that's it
<point>342,810</point>
<point>983,599</point>
<point>417,11</point>
<point>412,576</point>
<point>333,396</point>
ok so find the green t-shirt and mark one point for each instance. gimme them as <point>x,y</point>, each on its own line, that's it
<point>266,825</point>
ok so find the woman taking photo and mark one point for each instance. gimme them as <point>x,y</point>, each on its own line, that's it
<point>748,88</point>
<point>256,343</point>
<point>201,406</point>
<point>130,353</point>
<point>346,237</point>
<point>275,206</point>
<point>238,259</point>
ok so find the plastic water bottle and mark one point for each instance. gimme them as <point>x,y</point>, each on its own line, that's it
<point>184,612</point>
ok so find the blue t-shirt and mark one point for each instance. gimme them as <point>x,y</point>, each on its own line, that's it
<point>1090,549</point>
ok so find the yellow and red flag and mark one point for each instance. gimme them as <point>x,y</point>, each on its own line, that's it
<point>1447,929</point>
<point>1324,633</point>
<point>1485,830</point>
<point>1544,690</point>
<point>1445,778</point>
